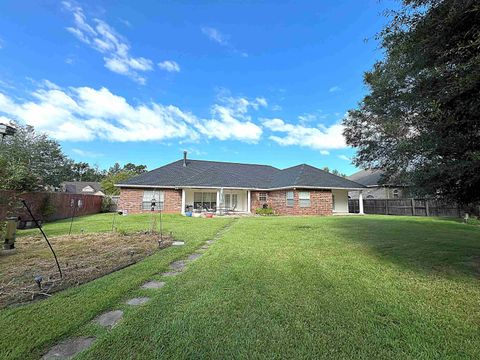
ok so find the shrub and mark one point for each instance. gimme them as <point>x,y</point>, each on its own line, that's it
<point>47,208</point>
<point>108,205</point>
<point>268,211</point>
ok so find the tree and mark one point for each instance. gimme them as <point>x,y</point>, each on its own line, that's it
<point>31,161</point>
<point>137,169</point>
<point>83,171</point>
<point>420,120</point>
<point>117,174</point>
<point>108,183</point>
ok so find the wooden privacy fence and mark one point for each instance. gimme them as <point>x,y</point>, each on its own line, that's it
<point>412,207</point>
<point>47,206</point>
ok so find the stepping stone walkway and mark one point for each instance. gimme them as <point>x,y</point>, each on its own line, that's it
<point>69,348</point>
<point>138,301</point>
<point>109,319</point>
<point>178,265</point>
<point>194,256</point>
<point>154,284</point>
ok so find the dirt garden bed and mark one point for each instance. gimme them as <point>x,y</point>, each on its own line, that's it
<point>82,257</point>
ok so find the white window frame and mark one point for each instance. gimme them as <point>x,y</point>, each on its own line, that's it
<point>396,194</point>
<point>262,196</point>
<point>304,199</point>
<point>290,200</point>
<point>159,197</point>
<point>206,195</point>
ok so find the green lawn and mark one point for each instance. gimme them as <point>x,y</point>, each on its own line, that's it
<point>280,287</point>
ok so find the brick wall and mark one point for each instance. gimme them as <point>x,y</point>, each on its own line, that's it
<point>320,202</point>
<point>131,200</point>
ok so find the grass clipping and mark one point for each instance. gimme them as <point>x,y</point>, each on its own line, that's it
<point>82,257</point>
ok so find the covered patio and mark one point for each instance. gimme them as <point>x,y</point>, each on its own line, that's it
<point>216,200</point>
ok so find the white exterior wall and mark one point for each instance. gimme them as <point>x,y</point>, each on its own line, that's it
<point>341,201</point>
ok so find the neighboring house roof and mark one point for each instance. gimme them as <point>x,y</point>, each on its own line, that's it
<point>367,177</point>
<point>371,178</point>
<point>81,187</point>
<point>200,173</point>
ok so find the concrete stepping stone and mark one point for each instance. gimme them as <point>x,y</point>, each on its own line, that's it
<point>109,319</point>
<point>138,301</point>
<point>204,247</point>
<point>209,242</point>
<point>170,273</point>
<point>178,265</point>
<point>154,284</point>
<point>194,256</point>
<point>178,243</point>
<point>69,348</point>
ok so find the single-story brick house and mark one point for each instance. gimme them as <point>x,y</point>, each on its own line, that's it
<point>217,186</point>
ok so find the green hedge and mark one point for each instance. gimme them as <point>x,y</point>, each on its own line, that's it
<point>265,211</point>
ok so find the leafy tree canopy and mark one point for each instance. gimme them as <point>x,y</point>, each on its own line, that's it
<point>117,174</point>
<point>420,121</point>
<point>31,161</point>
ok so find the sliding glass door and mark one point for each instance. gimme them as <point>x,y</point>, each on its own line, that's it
<point>205,201</point>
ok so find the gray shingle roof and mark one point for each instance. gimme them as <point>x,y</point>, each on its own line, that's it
<point>367,177</point>
<point>235,175</point>
<point>76,187</point>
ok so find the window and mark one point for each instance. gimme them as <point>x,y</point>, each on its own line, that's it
<point>395,194</point>
<point>205,200</point>
<point>262,196</point>
<point>304,198</point>
<point>290,199</point>
<point>333,202</point>
<point>149,196</point>
<point>231,201</point>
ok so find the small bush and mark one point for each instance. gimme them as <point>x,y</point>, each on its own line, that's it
<point>265,211</point>
<point>473,220</point>
<point>108,205</point>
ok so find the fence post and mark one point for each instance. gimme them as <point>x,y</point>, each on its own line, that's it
<point>413,207</point>
<point>386,206</point>
<point>427,210</point>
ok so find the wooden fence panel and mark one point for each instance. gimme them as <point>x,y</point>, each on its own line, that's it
<point>406,207</point>
<point>48,206</point>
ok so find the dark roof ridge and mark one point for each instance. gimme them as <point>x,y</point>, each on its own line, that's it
<point>230,162</point>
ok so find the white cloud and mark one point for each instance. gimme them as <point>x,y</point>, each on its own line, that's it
<point>230,120</point>
<point>215,35</point>
<point>344,157</point>
<point>221,39</point>
<point>169,65</point>
<point>324,152</point>
<point>84,114</point>
<point>104,39</point>
<point>86,153</point>
<point>318,138</point>
<point>334,88</point>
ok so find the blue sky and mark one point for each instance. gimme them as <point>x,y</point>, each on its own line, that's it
<point>122,81</point>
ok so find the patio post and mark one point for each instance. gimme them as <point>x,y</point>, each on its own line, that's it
<point>183,201</point>
<point>249,199</point>
<point>218,203</point>
<point>360,202</point>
